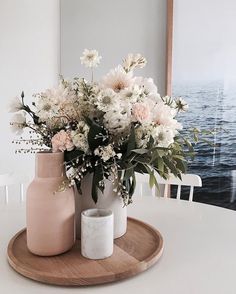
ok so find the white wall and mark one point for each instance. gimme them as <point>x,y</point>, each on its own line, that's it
<point>30,48</point>
<point>29,61</point>
<point>115,28</point>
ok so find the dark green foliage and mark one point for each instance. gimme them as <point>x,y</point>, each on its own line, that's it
<point>97,135</point>
<point>97,182</point>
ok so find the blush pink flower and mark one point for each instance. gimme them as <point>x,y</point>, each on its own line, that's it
<point>141,112</point>
<point>61,141</point>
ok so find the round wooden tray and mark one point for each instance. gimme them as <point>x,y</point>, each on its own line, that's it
<point>135,252</point>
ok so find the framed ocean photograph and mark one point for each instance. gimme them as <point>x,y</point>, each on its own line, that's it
<point>204,74</point>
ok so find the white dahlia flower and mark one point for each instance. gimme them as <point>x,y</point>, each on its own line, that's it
<point>117,79</point>
<point>163,136</point>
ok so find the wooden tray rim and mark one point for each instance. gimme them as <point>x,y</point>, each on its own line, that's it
<point>132,271</point>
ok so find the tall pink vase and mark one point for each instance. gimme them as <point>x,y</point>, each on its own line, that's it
<point>50,215</point>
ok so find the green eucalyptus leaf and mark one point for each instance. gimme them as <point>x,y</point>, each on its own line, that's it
<point>131,144</point>
<point>189,145</point>
<point>181,165</point>
<point>97,177</point>
<point>195,137</point>
<point>133,185</point>
<point>127,184</point>
<point>170,166</point>
<point>150,143</point>
<point>78,186</point>
<point>160,164</point>
<point>140,168</point>
<point>89,121</point>
<point>151,180</point>
<point>95,189</point>
<point>129,172</point>
<point>140,151</point>
<point>180,157</point>
<point>209,143</point>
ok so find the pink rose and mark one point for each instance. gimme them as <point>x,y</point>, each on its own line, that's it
<point>61,141</point>
<point>141,112</point>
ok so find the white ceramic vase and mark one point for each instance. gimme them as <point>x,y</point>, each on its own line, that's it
<point>96,233</point>
<point>106,200</point>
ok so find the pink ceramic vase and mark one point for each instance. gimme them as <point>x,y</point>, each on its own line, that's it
<point>50,215</point>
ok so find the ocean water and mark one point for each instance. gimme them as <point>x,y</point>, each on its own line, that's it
<point>213,105</point>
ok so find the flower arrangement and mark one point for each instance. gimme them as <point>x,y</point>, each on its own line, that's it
<point>112,128</point>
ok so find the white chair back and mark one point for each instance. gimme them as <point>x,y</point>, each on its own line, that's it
<point>12,179</point>
<point>190,180</point>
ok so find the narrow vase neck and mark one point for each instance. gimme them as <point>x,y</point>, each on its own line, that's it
<point>49,165</point>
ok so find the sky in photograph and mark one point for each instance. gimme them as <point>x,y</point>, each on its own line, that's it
<point>204,40</point>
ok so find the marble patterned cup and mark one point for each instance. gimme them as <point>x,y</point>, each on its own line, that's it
<point>97,233</point>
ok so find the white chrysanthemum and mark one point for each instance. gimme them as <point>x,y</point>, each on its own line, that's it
<point>106,100</point>
<point>117,79</point>
<point>46,109</point>
<point>118,120</point>
<point>163,136</point>
<point>147,84</point>
<point>152,99</point>
<point>131,94</point>
<point>142,135</point>
<point>80,141</point>
<point>15,105</point>
<point>90,58</point>
<point>181,104</point>
<point>105,152</point>
<point>164,115</point>
<point>18,123</point>
<point>80,137</point>
<point>48,103</point>
<point>134,60</point>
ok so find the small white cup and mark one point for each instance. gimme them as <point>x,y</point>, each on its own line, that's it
<point>96,233</point>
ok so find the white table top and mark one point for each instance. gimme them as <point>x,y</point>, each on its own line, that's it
<point>199,255</point>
